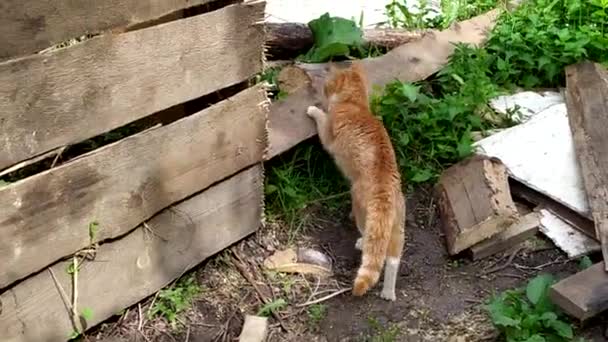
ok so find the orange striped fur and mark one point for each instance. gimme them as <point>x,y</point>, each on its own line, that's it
<point>362,149</point>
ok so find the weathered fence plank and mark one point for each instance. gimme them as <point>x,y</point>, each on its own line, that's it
<point>45,217</point>
<point>28,26</point>
<point>136,266</point>
<point>47,101</point>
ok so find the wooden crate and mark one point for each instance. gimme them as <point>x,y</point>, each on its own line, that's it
<point>164,198</point>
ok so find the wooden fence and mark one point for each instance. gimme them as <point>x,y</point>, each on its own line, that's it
<point>149,206</point>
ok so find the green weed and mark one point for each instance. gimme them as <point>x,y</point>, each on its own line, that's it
<point>269,75</point>
<point>173,300</point>
<point>317,313</point>
<point>529,315</point>
<point>300,178</point>
<point>274,306</point>
<point>381,333</point>
<point>531,47</point>
<point>584,263</point>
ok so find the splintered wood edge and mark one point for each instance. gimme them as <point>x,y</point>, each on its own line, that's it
<point>525,227</point>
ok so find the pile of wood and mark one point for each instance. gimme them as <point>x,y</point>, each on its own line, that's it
<point>558,161</point>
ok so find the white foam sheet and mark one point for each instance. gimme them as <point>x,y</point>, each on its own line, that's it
<point>540,154</point>
<point>574,243</point>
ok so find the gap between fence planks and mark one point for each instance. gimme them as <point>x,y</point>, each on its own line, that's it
<point>136,266</point>
<point>414,61</point>
<point>45,217</point>
<point>28,26</point>
<point>587,102</point>
<point>48,101</point>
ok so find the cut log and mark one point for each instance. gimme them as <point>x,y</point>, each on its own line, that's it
<point>289,124</point>
<point>587,102</point>
<point>288,40</point>
<point>475,202</point>
<point>584,294</point>
<point>525,227</point>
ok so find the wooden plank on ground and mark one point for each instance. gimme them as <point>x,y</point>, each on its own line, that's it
<point>137,265</point>
<point>525,227</point>
<point>417,60</point>
<point>28,26</point>
<point>474,202</point>
<point>45,217</point>
<point>584,294</point>
<point>587,102</point>
<point>69,95</point>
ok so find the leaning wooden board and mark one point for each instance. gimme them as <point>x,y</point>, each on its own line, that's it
<point>51,100</point>
<point>136,266</point>
<point>587,102</point>
<point>45,217</point>
<point>28,26</point>
<point>414,61</point>
<point>583,295</point>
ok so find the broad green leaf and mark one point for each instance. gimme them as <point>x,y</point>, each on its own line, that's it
<point>410,91</point>
<point>535,338</point>
<point>422,176</point>
<point>538,288</point>
<point>563,329</point>
<point>333,37</point>
<point>584,263</point>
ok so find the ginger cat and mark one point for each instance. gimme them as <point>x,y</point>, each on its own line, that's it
<point>362,149</point>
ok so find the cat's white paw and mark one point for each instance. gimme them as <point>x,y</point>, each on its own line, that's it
<point>388,295</point>
<point>359,244</point>
<point>313,111</point>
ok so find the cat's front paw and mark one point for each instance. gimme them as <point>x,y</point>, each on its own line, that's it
<point>313,111</point>
<point>388,295</point>
<point>359,244</point>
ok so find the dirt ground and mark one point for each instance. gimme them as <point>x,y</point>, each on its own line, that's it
<point>439,298</point>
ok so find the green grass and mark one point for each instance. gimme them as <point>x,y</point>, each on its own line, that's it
<point>528,315</point>
<point>174,300</point>
<point>316,313</point>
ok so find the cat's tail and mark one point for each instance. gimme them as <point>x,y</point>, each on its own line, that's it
<point>379,222</point>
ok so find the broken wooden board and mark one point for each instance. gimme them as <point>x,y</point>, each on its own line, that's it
<point>137,265</point>
<point>28,26</point>
<point>540,154</point>
<point>417,60</point>
<point>525,227</point>
<point>474,202</point>
<point>45,217</point>
<point>69,95</point>
<point>584,294</point>
<point>565,236</point>
<point>587,103</point>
